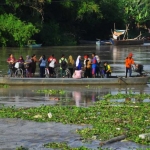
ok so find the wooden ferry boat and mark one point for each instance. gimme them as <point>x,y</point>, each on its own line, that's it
<point>70,81</point>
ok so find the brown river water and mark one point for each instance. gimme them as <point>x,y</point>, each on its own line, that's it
<point>33,135</point>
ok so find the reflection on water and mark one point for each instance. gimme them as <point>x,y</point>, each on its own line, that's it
<point>83,96</point>
<point>77,97</point>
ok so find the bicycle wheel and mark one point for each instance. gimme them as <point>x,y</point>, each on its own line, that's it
<point>46,73</point>
<point>57,72</point>
<point>19,73</point>
<point>68,73</point>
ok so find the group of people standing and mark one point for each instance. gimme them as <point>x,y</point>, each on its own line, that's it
<point>90,66</point>
<point>29,63</point>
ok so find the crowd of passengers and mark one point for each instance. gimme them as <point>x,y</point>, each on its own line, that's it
<point>88,68</point>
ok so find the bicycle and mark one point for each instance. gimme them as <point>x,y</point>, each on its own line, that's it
<point>58,73</point>
<point>19,73</point>
<point>46,73</point>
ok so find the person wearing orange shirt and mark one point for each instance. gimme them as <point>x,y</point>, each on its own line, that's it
<point>128,63</point>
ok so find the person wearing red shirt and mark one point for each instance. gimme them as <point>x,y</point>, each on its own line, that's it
<point>11,62</point>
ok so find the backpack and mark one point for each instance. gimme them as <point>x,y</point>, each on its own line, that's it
<point>63,64</point>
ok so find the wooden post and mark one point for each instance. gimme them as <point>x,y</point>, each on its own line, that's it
<point>126,31</point>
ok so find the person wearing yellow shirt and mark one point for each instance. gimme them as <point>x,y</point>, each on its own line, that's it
<point>107,69</point>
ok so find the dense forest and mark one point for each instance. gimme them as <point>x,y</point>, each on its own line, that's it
<point>66,22</point>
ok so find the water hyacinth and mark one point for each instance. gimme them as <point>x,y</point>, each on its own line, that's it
<point>107,119</point>
<point>52,91</point>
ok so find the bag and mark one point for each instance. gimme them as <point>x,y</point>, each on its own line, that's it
<point>63,64</point>
<point>52,63</point>
<point>17,65</point>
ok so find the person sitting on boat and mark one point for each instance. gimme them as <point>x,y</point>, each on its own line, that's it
<point>63,65</point>
<point>107,69</point>
<point>51,61</point>
<point>78,62</point>
<point>129,61</point>
<point>139,69</point>
<point>77,74</point>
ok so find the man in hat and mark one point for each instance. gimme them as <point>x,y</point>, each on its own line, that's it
<point>128,63</point>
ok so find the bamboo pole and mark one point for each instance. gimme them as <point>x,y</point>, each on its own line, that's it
<point>126,31</point>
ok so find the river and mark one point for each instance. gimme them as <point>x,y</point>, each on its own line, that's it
<point>115,55</point>
<point>81,96</point>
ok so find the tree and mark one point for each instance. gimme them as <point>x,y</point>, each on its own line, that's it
<point>34,4</point>
<point>137,10</point>
<point>13,31</point>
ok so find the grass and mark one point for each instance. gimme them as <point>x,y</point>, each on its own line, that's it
<point>108,118</point>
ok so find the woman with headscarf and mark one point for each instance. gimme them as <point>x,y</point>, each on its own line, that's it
<point>71,64</point>
<point>87,67</point>
<point>33,64</point>
<point>78,63</point>
<point>28,66</point>
<point>21,62</point>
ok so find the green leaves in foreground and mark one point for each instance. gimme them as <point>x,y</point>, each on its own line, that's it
<point>64,146</point>
<point>108,119</point>
<point>131,95</point>
<point>52,92</point>
<point>4,86</point>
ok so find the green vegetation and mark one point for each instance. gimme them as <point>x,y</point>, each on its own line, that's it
<point>64,146</point>
<point>22,148</point>
<point>52,92</point>
<point>130,96</point>
<point>43,20</point>
<point>108,118</point>
<point>4,86</point>
<point>13,28</point>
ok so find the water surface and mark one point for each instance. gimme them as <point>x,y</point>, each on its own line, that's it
<point>84,96</point>
<point>15,133</point>
<point>115,55</point>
